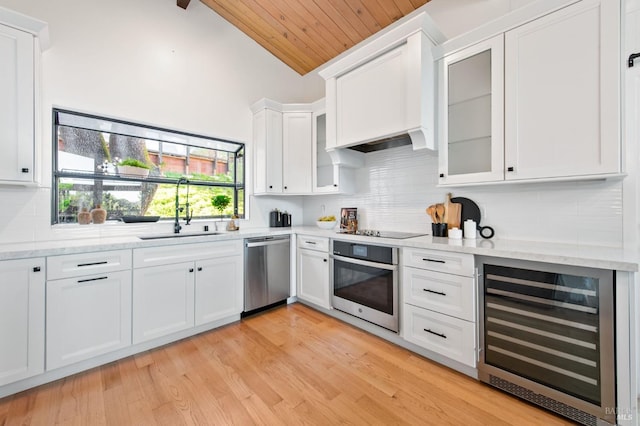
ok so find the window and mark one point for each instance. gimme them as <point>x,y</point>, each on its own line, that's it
<point>90,155</point>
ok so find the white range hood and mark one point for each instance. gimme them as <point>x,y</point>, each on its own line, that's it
<point>381,93</point>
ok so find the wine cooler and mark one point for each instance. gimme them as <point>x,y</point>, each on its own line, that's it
<point>547,336</point>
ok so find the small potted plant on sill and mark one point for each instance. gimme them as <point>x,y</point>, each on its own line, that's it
<point>220,202</point>
<point>132,167</point>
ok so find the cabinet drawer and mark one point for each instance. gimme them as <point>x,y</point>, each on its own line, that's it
<point>313,243</point>
<point>448,336</point>
<point>76,265</point>
<point>445,293</point>
<point>165,255</point>
<point>439,261</point>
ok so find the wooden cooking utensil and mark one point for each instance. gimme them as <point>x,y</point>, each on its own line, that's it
<point>440,212</point>
<point>452,213</point>
<point>431,211</point>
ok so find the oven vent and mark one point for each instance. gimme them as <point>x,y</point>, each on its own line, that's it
<point>543,401</point>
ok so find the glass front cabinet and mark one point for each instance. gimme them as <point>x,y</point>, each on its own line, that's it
<point>471,114</point>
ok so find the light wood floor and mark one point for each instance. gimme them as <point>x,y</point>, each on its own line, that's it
<point>292,365</point>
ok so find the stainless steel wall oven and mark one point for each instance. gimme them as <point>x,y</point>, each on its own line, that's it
<point>547,336</point>
<point>364,279</point>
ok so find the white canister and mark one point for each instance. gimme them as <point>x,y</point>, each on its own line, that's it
<point>455,234</point>
<point>470,229</point>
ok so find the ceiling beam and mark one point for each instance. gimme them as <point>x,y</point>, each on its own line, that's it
<point>183,3</point>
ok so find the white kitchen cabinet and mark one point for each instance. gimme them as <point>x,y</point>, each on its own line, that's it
<point>439,303</point>
<point>87,316</point>
<point>267,146</point>
<point>472,118</point>
<point>218,288</point>
<point>313,270</point>
<point>163,300</point>
<point>296,153</point>
<point>561,112</point>
<point>177,289</point>
<point>385,88</point>
<point>22,308</point>
<point>562,94</point>
<point>333,172</point>
<point>282,148</point>
<point>17,106</point>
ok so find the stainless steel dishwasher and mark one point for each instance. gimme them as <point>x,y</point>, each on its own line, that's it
<point>266,272</point>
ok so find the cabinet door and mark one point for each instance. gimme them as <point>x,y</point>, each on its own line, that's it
<point>371,100</point>
<point>267,141</point>
<point>471,114</point>
<point>87,316</point>
<point>323,175</point>
<point>296,143</point>
<point>219,289</point>
<point>21,319</point>
<point>562,93</point>
<point>313,277</point>
<point>16,105</point>
<point>163,299</point>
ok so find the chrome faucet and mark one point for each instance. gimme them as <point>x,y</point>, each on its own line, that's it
<point>176,224</point>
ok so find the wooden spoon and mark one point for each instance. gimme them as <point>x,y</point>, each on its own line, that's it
<point>439,212</point>
<point>431,211</point>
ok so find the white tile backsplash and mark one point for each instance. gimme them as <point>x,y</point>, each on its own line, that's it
<point>396,186</point>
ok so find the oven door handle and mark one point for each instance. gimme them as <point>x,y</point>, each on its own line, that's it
<point>365,263</point>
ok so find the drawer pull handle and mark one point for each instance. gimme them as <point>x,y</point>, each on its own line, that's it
<point>36,269</point>
<point>426,259</point>
<point>310,242</point>
<point>441,293</point>
<point>80,265</point>
<point>437,334</point>
<point>92,279</point>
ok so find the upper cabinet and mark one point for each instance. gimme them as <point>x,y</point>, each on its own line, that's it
<point>20,41</point>
<point>561,113</point>
<point>282,148</point>
<point>384,88</point>
<point>289,142</point>
<point>330,172</point>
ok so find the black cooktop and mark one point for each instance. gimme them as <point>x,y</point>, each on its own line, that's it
<point>383,234</point>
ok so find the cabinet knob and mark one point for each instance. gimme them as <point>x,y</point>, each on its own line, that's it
<point>335,184</point>
<point>285,187</point>
<point>36,269</point>
<point>510,169</point>
<point>441,175</point>
<point>25,170</point>
<point>199,268</point>
<point>190,269</point>
<point>270,186</point>
<point>324,260</point>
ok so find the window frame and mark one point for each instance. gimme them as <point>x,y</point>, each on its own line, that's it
<point>239,155</point>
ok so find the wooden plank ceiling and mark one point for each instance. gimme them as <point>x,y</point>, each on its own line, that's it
<point>305,34</point>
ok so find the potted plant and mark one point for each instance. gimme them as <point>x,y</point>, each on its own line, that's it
<point>132,167</point>
<point>220,202</point>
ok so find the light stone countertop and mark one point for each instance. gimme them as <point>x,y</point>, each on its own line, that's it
<point>566,254</point>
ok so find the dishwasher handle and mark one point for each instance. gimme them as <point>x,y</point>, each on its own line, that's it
<point>263,243</point>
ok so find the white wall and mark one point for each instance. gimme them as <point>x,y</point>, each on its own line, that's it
<point>147,61</point>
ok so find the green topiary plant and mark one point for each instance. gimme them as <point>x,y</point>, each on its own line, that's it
<point>220,202</point>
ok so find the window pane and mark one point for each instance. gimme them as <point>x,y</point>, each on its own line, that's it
<point>82,152</point>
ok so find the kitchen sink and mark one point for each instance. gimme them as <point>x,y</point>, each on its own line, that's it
<point>167,236</point>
